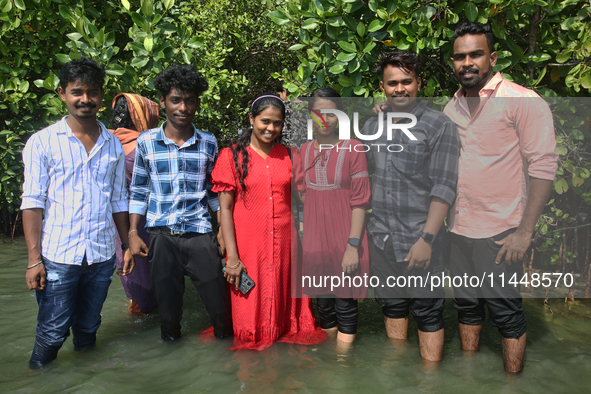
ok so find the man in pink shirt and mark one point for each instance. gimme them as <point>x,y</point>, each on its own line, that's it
<point>507,165</point>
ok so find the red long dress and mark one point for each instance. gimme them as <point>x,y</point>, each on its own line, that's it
<point>264,228</point>
<point>335,183</point>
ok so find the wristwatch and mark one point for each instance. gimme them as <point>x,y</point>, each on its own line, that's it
<point>355,242</point>
<point>124,247</point>
<point>428,237</point>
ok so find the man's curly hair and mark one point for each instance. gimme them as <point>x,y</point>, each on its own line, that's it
<point>181,77</point>
<point>85,70</point>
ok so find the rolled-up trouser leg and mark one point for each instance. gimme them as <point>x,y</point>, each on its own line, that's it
<point>347,312</point>
<point>327,314</point>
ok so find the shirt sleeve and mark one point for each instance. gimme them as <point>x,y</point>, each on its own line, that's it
<point>443,169</point>
<point>214,202</point>
<point>36,174</point>
<point>140,181</point>
<point>223,175</point>
<point>119,197</point>
<point>360,188</point>
<point>535,128</point>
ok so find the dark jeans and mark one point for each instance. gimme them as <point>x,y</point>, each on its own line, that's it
<point>333,311</point>
<point>195,255</point>
<point>426,306</point>
<point>73,297</point>
<point>476,257</point>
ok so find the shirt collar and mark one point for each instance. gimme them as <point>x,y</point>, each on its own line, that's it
<point>416,111</point>
<point>162,136</point>
<point>490,86</point>
<point>68,131</point>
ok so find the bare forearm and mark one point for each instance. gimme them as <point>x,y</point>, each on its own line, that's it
<point>226,217</point>
<point>537,197</point>
<point>134,221</point>
<point>32,225</point>
<point>121,220</point>
<point>357,222</point>
<point>437,213</point>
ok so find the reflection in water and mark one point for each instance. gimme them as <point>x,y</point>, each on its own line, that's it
<point>131,357</point>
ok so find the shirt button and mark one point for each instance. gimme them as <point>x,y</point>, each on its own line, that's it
<point>271,232</point>
<point>270,299</point>
<point>267,166</point>
<point>270,266</point>
<point>270,198</point>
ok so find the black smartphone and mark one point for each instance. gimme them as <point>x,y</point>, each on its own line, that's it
<point>246,282</point>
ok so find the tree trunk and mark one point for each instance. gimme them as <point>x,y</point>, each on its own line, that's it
<point>533,38</point>
<point>588,286</point>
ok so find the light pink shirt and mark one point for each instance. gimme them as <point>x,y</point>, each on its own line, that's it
<point>509,139</point>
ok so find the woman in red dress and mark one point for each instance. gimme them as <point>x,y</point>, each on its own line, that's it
<point>253,181</point>
<point>337,194</point>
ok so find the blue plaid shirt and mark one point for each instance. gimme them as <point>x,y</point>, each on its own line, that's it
<point>171,183</point>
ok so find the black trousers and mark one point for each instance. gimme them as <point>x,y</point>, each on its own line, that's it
<point>426,306</point>
<point>341,312</point>
<point>476,257</point>
<point>195,255</point>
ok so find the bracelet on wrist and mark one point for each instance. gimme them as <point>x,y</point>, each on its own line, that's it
<point>233,266</point>
<point>129,233</point>
<point>34,265</point>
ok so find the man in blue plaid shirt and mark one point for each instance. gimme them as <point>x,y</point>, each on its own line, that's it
<point>412,190</point>
<point>171,186</point>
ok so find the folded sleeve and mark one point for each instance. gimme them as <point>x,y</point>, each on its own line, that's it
<point>223,176</point>
<point>537,141</point>
<point>141,182</point>
<point>36,174</point>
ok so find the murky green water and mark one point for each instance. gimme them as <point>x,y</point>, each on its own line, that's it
<point>130,357</point>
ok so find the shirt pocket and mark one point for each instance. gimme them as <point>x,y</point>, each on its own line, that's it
<point>104,172</point>
<point>413,159</point>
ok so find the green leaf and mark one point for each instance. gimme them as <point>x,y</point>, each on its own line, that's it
<point>382,14</point>
<point>347,46</point>
<point>126,4</point>
<point>310,24</point>
<point>368,48</point>
<point>63,58</point>
<point>295,47</point>
<point>345,81</point>
<point>537,57</point>
<point>376,25</point>
<point>279,17</point>
<point>138,19</point>
<point>361,29</point>
<point>337,68</point>
<point>195,42</point>
<point>501,65</point>
<point>24,87</point>
<point>586,79</point>
<point>74,36</point>
<point>359,90</point>
<point>147,8</point>
<point>139,62</point>
<point>471,12</point>
<point>115,69</point>
<point>168,3</point>
<point>564,56</point>
<point>345,57</point>
<point>149,43</point>
<point>19,4</point>
<point>561,150</point>
<point>336,21</point>
<point>167,27</point>
<point>67,14</point>
<point>560,185</point>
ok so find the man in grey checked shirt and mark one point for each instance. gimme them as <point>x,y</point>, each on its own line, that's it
<point>411,192</point>
<point>171,184</point>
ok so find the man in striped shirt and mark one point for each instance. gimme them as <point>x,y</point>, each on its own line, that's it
<point>171,186</point>
<point>74,190</point>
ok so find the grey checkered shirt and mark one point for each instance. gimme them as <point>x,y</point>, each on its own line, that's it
<point>404,182</point>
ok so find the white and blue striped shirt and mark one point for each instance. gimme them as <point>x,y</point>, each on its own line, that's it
<point>78,192</point>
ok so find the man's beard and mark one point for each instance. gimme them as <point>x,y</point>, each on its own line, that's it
<point>475,81</point>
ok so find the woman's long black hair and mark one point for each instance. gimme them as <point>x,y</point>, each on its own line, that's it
<point>239,144</point>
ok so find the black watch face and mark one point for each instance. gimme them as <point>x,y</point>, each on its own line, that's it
<point>428,237</point>
<point>354,242</point>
